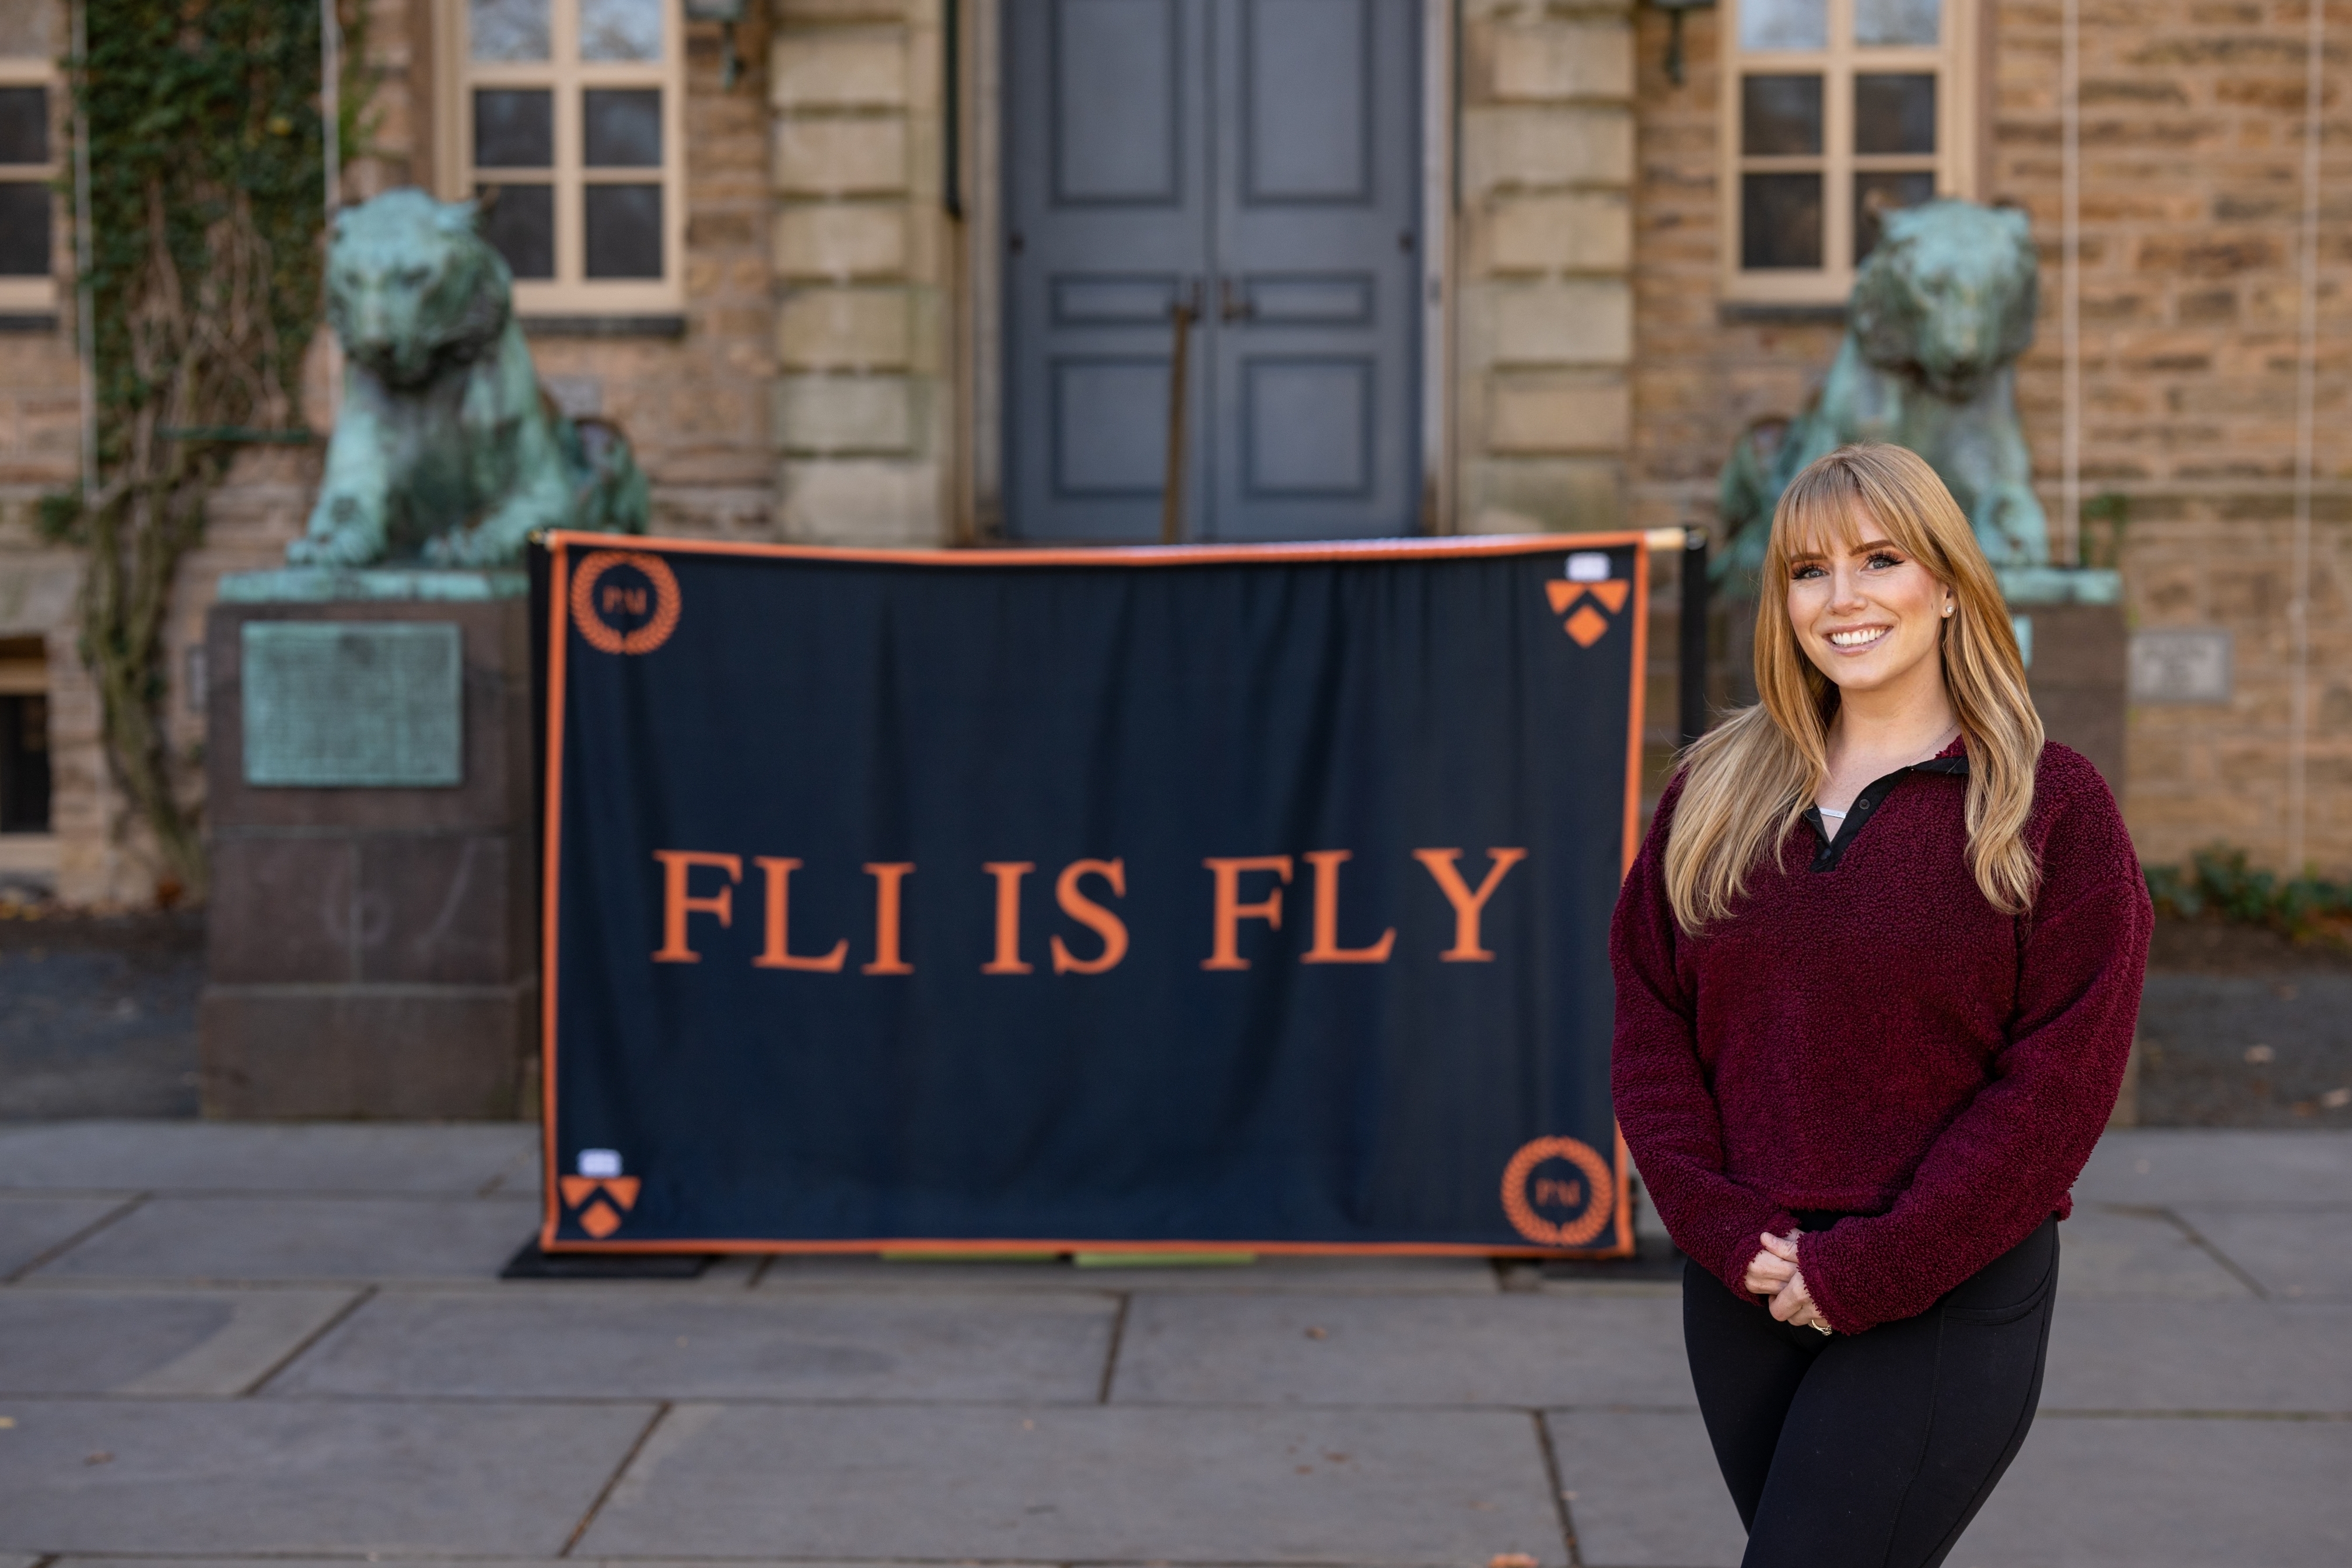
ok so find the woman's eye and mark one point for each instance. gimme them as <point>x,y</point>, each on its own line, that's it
<point>1883,560</point>
<point>1805,573</point>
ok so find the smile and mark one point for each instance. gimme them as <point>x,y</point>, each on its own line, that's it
<point>1857,638</point>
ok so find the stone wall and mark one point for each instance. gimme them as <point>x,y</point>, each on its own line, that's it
<point>2192,131</point>
<point>1543,330</point>
<point>2192,141</point>
<point>863,422</point>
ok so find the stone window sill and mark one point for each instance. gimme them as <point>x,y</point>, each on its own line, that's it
<point>602,326</point>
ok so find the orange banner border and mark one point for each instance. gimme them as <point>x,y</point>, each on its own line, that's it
<point>561,543</point>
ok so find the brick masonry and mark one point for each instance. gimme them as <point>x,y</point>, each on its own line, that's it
<point>2191,137</point>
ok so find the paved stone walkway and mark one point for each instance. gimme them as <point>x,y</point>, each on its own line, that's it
<point>231,1344</point>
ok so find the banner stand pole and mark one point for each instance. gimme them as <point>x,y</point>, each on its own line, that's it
<point>1691,655</point>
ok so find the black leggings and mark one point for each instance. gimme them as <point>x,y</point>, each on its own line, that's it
<point>1873,1449</point>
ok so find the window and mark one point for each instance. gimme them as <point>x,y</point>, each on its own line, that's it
<point>569,126</point>
<point>29,155</point>
<point>23,736</point>
<point>1833,112</point>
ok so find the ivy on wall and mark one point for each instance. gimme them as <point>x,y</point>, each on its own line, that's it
<point>206,209</point>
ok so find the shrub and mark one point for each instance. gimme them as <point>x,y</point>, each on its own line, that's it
<point>2218,883</point>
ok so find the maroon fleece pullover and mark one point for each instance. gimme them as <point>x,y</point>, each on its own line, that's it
<point>1867,1035</point>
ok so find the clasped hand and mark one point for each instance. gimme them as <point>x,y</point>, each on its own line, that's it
<point>1774,1273</point>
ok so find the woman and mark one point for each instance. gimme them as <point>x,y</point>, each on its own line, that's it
<point>1877,968</point>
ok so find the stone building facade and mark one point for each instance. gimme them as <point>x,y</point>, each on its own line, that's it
<point>832,363</point>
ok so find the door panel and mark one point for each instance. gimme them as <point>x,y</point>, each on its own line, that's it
<point>1260,157</point>
<point>1106,227</point>
<point>1117,121</point>
<point>1308,92</point>
<point>1318,215</point>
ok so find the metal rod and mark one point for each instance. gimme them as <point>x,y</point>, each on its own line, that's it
<point>84,324</point>
<point>1691,654</point>
<point>1171,490</point>
<point>952,108</point>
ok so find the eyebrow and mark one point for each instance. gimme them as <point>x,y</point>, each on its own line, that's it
<point>1858,550</point>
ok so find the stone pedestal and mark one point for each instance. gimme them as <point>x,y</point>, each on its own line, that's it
<point>2070,624</point>
<point>369,796</point>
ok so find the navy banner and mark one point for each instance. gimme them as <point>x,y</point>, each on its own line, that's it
<point>1247,898</point>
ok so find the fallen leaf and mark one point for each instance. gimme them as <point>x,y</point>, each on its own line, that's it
<point>100,1457</point>
<point>1316,1334</point>
<point>2258,1055</point>
<point>1305,1470</point>
<point>7,1422</point>
<point>1510,1560</point>
<point>1336,1458</point>
<point>2336,1099</point>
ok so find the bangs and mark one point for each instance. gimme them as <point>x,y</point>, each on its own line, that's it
<point>1830,507</point>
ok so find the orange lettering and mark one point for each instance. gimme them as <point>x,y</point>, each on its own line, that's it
<point>887,880</point>
<point>1327,948</point>
<point>1008,875</point>
<point>676,903</point>
<point>1092,915</point>
<point>1468,906</point>
<point>1231,912</point>
<point>778,953</point>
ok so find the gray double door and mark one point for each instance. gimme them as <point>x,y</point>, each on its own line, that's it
<point>1253,165</point>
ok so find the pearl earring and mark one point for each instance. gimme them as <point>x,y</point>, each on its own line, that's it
<point>1949,608</point>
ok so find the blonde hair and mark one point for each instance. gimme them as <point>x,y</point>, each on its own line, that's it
<point>1747,782</point>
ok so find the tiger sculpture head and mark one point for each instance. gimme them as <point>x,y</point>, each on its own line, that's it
<point>412,287</point>
<point>1948,296</point>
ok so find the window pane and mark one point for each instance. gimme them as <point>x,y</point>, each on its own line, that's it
<point>1895,113</point>
<point>23,125</point>
<point>25,231</point>
<point>625,231</point>
<point>623,126</point>
<point>514,129</point>
<point>1898,21</point>
<point>1784,24</point>
<point>26,29</point>
<point>506,29</point>
<point>519,223</point>
<point>619,29</point>
<point>1780,220</point>
<point>1883,192</point>
<point>1780,115</point>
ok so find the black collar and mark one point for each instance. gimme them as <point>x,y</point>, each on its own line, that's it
<point>1830,851</point>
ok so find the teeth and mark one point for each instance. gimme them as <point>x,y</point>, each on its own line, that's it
<point>1856,638</point>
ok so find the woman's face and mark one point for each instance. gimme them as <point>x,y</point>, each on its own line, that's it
<point>1868,615</point>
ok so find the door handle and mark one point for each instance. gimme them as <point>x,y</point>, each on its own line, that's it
<point>1233,304</point>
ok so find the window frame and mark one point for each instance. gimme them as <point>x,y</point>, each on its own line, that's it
<point>571,292</point>
<point>1953,60</point>
<point>30,295</point>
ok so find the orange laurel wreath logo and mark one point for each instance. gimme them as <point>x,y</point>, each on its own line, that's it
<point>599,1219</point>
<point>618,615</point>
<point>1587,1191</point>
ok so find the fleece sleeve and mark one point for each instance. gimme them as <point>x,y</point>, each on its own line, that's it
<point>1665,1106</point>
<point>2006,1161</point>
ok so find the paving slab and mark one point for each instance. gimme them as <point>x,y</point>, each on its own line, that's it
<point>2121,1252</point>
<point>2169,1494</point>
<point>275,1477</point>
<point>31,1226</point>
<point>262,1157</point>
<point>2114,1353</point>
<point>1322,1276</point>
<point>153,1342</point>
<point>257,1240</point>
<point>2298,1254</point>
<point>2154,1166</point>
<point>1644,1490</point>
<point>1506,1349</point>
<point>1069,1485</point>
<point>548,1343</point>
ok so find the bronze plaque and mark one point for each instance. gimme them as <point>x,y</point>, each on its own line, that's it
<point>354,705</point>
